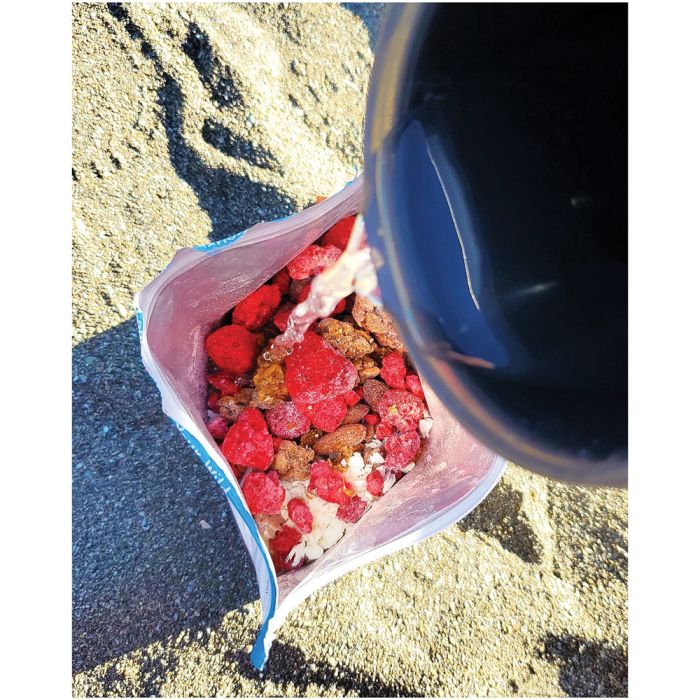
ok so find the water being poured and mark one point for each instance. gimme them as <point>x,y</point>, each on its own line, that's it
<point>352,272</point>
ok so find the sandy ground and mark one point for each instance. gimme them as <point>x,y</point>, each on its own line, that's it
<point>191,123</point>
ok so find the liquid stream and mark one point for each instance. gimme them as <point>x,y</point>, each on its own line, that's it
<point>352,272</point>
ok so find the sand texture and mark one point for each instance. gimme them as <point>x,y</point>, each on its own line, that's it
<point>191,123</point>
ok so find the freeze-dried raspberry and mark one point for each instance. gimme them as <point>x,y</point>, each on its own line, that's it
<point>263,493</point>
<point>276,442</point>
<point>373,390</point>
<point>352,512</point>
<point>356,413</point>
<point>287,421</point>
<point>377,322</point>
<point>304,293</point>
<point>299,290</point>
<point>339,234</point>
<point>327,415</point>
<point>414,386</point>
<point>292,461</point>
<point>281,279</point>
<point>248,442</point>
<point>282,316</point>
<point>394,370</point>
<point>224,382</point>
<point>285,539</point>
<point>316,372</point>
<point>375,483</point>
<point>401,449</point>
<point>217,428</point>
<point>401,409</point>
<point>270,386</point>
<point>300,514</point>
<point>371,419</point>
<point>312,260</point>
<point>282,566</point>
<point>360,392</point>
<point>213,400</point>
<point>232,348</point>
<point>383,431</point>
<point>329,484</point>
<point>351,397</point>
<point>257,308</point>
<point>345,338</point>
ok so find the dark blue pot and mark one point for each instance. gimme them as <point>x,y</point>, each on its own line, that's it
<point>496,163</point>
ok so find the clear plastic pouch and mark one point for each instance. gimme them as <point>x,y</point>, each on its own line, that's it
<point>175,313</point>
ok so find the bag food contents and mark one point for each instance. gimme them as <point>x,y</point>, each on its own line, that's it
<point>341,418</point>
<point>316,434</point>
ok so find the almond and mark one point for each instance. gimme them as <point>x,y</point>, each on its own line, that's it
<point>346,437</point>
<point>356,413</point>
<point>373,391</point>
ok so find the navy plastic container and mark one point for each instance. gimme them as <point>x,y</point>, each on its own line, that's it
<point>496,163</point>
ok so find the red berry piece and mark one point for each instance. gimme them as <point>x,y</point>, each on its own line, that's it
<point>263,493</point>
<point>285,539</point>
<point>300,514</point>
<point>339,234</point>
<point>224,382</point>
<point>375,483</point>
<point>287,421</point>
<point>299,290</point>
<point>339,307</point>
<point>312,260</point>
<point>371,419</point>
<point>276,442</point>
<point>394,370</point>
<point>327,415</point>
<point>232,348</point>
<point>400,409</point>
<point>278,561</point>
<point>281,279</point>
<point>414,386</point>
<point>217,428</point>
<point>213,400</point>
<point>401,449</point>
<point>353,511</point>
<point>351,398</point>
<point>316,371</point>
<point>360,392</point>
<point>304,293</point>
<point>282,316</point>
<point>248,443</point>
<point>383,430</point>
<point>257,308</point>
<point>329,484</point>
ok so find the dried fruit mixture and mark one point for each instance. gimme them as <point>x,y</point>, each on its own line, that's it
<point>316,437</point>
